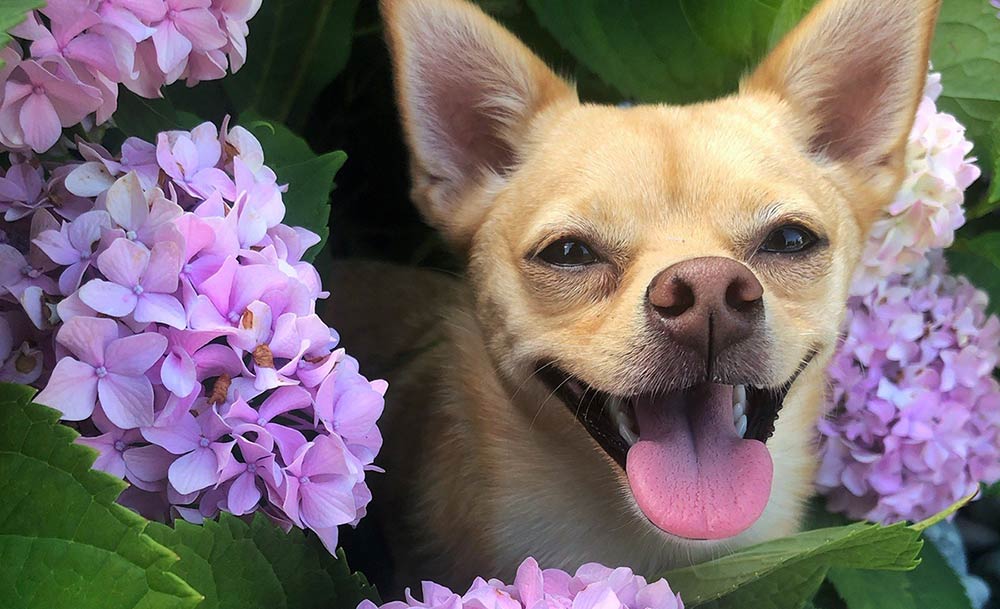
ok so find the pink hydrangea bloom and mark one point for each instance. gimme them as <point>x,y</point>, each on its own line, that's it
<point>180,330</point>
<point>592,587</point>
<point>80,52</point>
<point>915,424</point>
<point>928,209</point>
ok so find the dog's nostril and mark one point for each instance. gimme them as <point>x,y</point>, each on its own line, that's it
<point>673,299</point>
<point>744,296</point>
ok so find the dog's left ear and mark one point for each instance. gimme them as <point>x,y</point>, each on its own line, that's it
<point>468,92</point>
<point>853,74</point>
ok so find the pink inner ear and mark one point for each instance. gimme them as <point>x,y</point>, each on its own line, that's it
<point>857,113</point>
<point>460,122</point>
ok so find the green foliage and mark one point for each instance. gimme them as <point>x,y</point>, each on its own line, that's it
<point>669,50</point>
<point>787,572</point>
<point>967,53</point>
<point>932,585</point>
<point>64,542</point>
<point>309,177</point>
<point>295,48</point>
<point>978,258</point>
<point>256,566</point>
<point>13,12</point>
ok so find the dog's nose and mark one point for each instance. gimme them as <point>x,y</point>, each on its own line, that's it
<point>707,303</point>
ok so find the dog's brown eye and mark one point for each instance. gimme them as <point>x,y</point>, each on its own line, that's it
<point>568,252</point>
<point>788,240</point>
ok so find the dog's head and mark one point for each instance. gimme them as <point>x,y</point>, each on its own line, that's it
<point>669,272</point>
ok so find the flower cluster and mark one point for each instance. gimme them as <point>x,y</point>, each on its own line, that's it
<point>593,587</point>
<point>928,209</point>
<point>186,341</point>
<point>916,420</point>
<point>68,59</point>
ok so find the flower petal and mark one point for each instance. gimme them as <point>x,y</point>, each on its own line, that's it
<point>194,471</point>
<point>39,123</point>
<point>72,389</point>
<point>134,355</point>
<point>178,373</point>
<point>124,262</point>
<point>108,298</point>
<point>127,401</point>
<point>160,308</point>
<point>244,494</point>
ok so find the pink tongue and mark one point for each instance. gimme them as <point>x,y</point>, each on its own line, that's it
<point>690,473</point>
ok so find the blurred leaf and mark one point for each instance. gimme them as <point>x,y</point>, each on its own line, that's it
<point>13,12</point>
<point>309,176</point>
<point>967,53</point>
<point>64,541</point>
<point>738,29</point>
<point>257,566</point>
<point>785,573</point>
<point>144,118</point>
<point>644,48</point>
<point>992,199</point>
<point>978,258</point>
<point>932,585</point>
<point>294,50</point>
<point>789,14</point>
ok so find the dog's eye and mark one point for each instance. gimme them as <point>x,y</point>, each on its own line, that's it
<point>788,239</point>
<point>568,252</point>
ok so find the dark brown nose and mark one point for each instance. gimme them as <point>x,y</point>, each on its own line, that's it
<point>707,303</point>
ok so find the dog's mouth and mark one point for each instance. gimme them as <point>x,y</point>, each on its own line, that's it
<point>695,458</point>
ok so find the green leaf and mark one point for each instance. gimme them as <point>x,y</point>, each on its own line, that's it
<point>992,200</point>
<point>64,542</point>
<point>12,13</point>
<point>789,14</point>
<point>644,48</point>
<point>967,53</point>
<point>144,118</point>
<point>738,29</point>
<point>309,176</point>
<point>257,566</point>
<point>978,258</point>
<point>294,50</point>
<point>932,585</point>
<point>785,573</point>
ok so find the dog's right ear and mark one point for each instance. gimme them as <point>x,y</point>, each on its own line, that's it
<point>467,91</point>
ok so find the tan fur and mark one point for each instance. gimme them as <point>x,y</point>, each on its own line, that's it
<point>485,466</point>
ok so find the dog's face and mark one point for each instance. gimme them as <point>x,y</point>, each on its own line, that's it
<point>668,272</point>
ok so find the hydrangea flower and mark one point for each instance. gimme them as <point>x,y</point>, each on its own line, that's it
<point>592,587</point>
<point>79,53</point>
<point>171,317</point>
<point>928,209</point>
<point>915,424</point>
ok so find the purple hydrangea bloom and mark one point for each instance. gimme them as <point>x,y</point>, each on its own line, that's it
<point>80,52</point>
<point>180,332</point>
<point>593,586</point>
<point>915,421</point>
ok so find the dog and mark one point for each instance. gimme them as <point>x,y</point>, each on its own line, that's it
<point>631,368</point>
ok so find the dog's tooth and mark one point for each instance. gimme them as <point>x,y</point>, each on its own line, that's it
<point>627,433</point>
<point>741,426</point>
<point>739,410</point>
<point>739,394</point>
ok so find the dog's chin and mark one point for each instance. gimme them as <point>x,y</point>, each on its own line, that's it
<point>695,458</point>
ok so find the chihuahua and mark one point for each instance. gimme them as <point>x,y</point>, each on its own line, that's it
<point>632,366</point>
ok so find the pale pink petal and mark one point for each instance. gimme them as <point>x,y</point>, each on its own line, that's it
<point>127,401</point>
<point>108,298</point>
<point>172,48</point>
<point>244,494</point>
<point>179,436</point>
<point>124,262</point>
<point>148,463</point>
<point>126,202</point>
<point>72,389</point>
<point>201,28</point>
<point>194,471</point>
<point>86,229</point>
<point>160,308</point>
<point>328,536</point>
<point>134,355</point>
<point>327,504</point>
<point>88,337</point>
<point>163,269</point>
<point>178,373</point>
<point>39,123</point>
